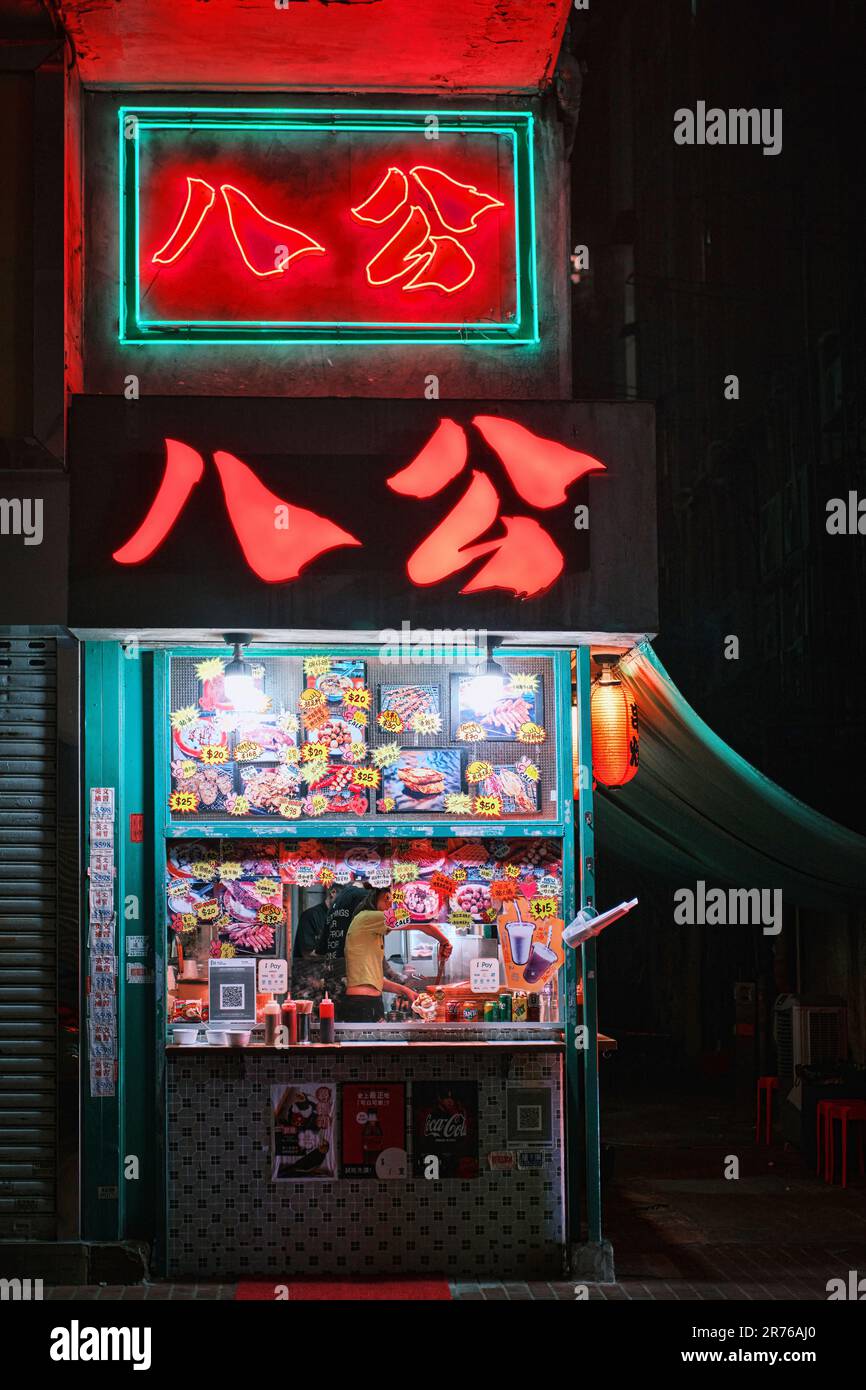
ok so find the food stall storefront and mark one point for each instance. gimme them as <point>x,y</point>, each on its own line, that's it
<point>433,1108</point>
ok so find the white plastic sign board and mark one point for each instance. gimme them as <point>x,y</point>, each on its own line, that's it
<point>273,976</point>
<point>484,975</point>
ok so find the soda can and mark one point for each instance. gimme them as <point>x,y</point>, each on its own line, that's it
<point>452,1011</point>
<point>519,1008</point>
<point>470,1012</point>
<point>505,1008</point>
<point>491,1011</point>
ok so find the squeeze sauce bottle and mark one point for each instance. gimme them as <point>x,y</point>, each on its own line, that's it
<point>327,1031</point>
<point>290,1020</point>
<point>272,1021</point>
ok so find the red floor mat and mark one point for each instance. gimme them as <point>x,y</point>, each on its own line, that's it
<point>348,1291</point>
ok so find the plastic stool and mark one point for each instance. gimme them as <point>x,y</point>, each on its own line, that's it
<point>822,1110</point>
<point>846,1112</point>
<point>766,1086</point>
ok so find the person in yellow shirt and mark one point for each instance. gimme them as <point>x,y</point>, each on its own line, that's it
<point>365,960</point>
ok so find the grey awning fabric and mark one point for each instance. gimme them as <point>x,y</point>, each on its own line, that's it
<point>697,810</point>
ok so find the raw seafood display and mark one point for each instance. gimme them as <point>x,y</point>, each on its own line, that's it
<point>519,793</point>
<point>409,700</point>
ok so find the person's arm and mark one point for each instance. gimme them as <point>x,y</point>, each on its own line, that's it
<point>391,987</point>
<point>430,929</point>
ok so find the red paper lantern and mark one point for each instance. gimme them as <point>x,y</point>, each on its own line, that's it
<point>615,736</point>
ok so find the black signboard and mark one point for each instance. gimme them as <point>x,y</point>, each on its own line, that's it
<point>362,514</point>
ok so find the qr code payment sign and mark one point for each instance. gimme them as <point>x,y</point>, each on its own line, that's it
<point>232,997</point>
<point>529,1118</point>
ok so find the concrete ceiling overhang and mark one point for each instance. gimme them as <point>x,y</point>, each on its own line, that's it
<point>487,46</point>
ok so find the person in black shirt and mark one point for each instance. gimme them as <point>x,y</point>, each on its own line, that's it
<point>332,942</point>
<point>311,926</point>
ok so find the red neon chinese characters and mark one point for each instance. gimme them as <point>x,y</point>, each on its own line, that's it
<point>409,247</point>
<point>274,551</point>
<point>183,469</point>
<point>427,261</point>
<point>278,540</point>
<point>264,252</point>
<point>539,468</point>
<point>386,199</point>
<point>448,267</point>
<point>200,197</point>
<point>462,202</point>
<point>444,551</point>
<point>244,215</point>
<point>526,560</point>
<point>441,459</point>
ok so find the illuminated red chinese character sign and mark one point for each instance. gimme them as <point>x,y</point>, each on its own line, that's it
<point>231,513</point>
<point>326,226</point>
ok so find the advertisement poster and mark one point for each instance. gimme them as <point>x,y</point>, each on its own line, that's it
<point>304,1124</point>
<point>531,946</point>
<point>445,1127</point>
<point>373,1123</point>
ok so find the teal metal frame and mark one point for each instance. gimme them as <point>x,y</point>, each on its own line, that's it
<point>119,698</point>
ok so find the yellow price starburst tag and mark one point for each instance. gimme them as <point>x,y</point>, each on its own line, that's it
<point>458,804</point>
<point>406,872</point>
<point>264,887</point>
<point>204,869</point>
<point>208,912</point>
<point>206,670</point>
<point>364,777</point>
<point>531,733</point>
<point>531,771</point>
<point>310,698</point>
<point>390,721</point>
<point>214,755</point>
<point>291,756</point>
<point>187,769</point>
<point>247,752</point>
<point>542,908</point>
<point>512,871</point>
<point>478,771</point>
<point>386,805</point>
<point>270,914</point>
<point>470,732</point>
<point>181,717</point>
<point>326,875</point>
<point>240,806</point>
<point>317,805</point>
<point>358,717</point>
<point>425,722</point>
<point>229,870</point>
<point>521,683</point>
<point>189,921</point>
<point>386,754</point>
<point>183,802</point>
<point>358,697</point>
<point>314,752</point>
<point>355,752</point>
<point>488,806</point>
<point>316,665</point>
<point>291,810</point>
<point>458,875</point>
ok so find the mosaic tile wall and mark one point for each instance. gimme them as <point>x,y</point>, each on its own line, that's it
<point>226,1218</point>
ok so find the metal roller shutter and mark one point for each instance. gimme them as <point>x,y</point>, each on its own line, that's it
<point>28,937</point>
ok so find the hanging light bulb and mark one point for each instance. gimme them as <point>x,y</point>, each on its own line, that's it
<point>615,735</point>
<point>239,685</point>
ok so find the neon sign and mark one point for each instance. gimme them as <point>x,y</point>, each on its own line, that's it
<point>266,224</point>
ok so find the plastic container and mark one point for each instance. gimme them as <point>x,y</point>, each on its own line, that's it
<point>217,1037</point>
<point>239,1037</point>
<point>186,1034</point>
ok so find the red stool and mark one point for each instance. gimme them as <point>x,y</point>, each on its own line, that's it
<point>766,1086</point>
<point>822,1110</point>
<point>846,1112</point>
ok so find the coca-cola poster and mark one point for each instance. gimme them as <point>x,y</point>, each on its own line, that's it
<point>445,1128</point>
<point>374,1130</point>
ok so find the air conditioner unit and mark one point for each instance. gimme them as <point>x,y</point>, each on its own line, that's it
<point>809,1031</point>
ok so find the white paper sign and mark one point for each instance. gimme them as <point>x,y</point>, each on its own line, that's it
<point>273,976</point>
<point>484,975</point>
